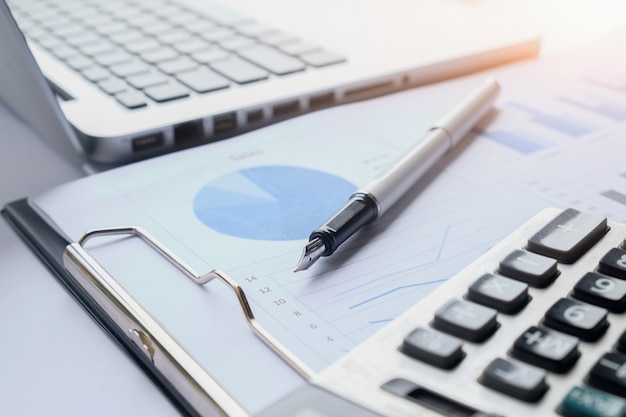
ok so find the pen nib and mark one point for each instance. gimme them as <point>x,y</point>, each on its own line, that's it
<point>311,253</point>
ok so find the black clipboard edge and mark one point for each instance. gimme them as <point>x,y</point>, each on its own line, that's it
<point>49,246</point>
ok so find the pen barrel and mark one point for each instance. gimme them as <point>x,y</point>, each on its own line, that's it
<point>387,188</point>
<point>392,184</point>
<point>464,116</point>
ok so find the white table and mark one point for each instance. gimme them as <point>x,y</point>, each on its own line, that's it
<point>54,359</point>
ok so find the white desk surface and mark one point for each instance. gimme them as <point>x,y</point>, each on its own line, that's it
<point>52,353</point>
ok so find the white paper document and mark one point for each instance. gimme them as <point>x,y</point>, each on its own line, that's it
<point>246,206</point>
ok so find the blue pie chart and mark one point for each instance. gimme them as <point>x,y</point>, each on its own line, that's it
<point>271,202</point>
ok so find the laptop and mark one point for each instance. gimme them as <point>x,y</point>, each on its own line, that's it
<point>138,78</point>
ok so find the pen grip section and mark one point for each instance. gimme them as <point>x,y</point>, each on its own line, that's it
<point>360,210</point>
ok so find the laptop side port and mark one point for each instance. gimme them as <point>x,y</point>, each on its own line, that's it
<point>254,116</point>
<point>148,142</point>
<point>321,101</point>
<point>225,123</point>
<point>189,133</point>
<point>289,108</point>
<point>372,90</point>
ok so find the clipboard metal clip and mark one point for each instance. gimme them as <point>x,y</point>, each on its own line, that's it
<point>165,353</point>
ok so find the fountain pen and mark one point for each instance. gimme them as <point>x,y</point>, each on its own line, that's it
<point>370,202</point>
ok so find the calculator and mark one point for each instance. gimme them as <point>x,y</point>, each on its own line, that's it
<point>533,327</point>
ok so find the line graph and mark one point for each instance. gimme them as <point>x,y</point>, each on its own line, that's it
<point>393,290</point>
<point>419,266</point>
<point>376,278</point>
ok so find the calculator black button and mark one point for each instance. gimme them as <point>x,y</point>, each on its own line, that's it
<point>614,263</point>
<point>620,346</point>
<point>602,290</point>
<point>496,291</point>
<point>609,374</point>
<point>568,236</point>
<point>536,270</point>
<point>467,320</point>
<point>432,347</point>
<point>518,380</point>
<point>547,349</point>
<point>579,319</point>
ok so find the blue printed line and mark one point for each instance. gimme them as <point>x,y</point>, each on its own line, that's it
<point>403,287</point>
<point>380,321</point>
<point>437,258</point>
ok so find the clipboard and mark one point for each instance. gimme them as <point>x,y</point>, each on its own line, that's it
<point>176,372</point>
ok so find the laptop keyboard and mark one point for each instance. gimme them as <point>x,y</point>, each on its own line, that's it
<point>143,52</point>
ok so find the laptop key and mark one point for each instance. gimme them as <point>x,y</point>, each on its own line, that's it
<point>148,79</point>
<point>201,26</point>
<point>156,27</point>
<point>272,60</point>
<point>228,17</point>
<point>64,52</point>
<point>218,34</point>
<point>79,62</point>
<point>131,99</point>
<point>95,74</point>
<point>97,48</point>
<point>112,85</point>
<point>190,45</point>
<point>112,27</point>
<point>126,69</point>
<point>127,36</point>
<point>114,57</point>
<point>254,29</point>
<point>210,55</point>
<point>174,36</point>
<point>159,55</point>
<point>299,48</point>
<point>237,43</point>
<point>177,65</point>
<point>76,34</point>
<point>143,45</point>
<point>277,38</point>
<point>166,92</point>
<point>322,58</point>
<point>240,71</point>
<point>203,80</point>
<point>183,18</point>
